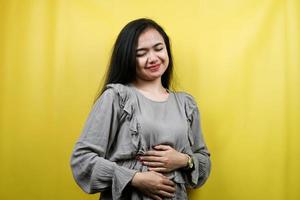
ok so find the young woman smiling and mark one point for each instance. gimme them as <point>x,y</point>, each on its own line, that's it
<point>141,140</point>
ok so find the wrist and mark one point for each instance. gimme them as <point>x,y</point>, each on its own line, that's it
<point>135,179</point>
<point>189,162</point>
<point>185,160</point>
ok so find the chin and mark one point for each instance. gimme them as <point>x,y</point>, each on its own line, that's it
<point>153,77</point>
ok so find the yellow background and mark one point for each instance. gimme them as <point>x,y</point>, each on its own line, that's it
<point>240,60</point>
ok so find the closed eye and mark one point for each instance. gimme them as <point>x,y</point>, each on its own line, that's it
<point>158,46</point>
<point>140,54</point>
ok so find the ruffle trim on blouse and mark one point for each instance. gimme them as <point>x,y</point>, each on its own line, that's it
<point>127,104</point>
<point>193,117</point>
<point>125,98</point>
<point>190,108</point>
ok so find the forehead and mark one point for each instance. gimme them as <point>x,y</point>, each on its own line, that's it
<point>150,37</point>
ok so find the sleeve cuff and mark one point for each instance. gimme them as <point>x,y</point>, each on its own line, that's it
<point>122,176</point>
<point>200,173</point>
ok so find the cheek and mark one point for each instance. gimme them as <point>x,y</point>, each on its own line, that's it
<point>140,63</point>
<point>164,56</point>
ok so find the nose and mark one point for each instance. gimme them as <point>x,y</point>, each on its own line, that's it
<point>152,57</point>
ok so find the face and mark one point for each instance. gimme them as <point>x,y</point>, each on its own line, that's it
<point>151,56</point>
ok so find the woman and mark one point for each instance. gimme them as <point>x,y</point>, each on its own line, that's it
<point>141,140</point>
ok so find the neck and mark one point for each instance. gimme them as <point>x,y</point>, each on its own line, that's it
<point>149,86</point>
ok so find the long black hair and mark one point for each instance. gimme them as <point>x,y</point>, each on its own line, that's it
<point>122,66</point>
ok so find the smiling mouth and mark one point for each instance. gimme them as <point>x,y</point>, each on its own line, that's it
<point>154,68</point>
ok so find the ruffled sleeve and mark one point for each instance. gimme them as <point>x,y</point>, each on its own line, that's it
<point>199,152</point>
<point>91,169</point>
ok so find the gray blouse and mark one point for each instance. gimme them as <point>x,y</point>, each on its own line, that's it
<point>123,124</point>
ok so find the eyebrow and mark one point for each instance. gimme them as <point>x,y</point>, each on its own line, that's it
<point>144,49</point>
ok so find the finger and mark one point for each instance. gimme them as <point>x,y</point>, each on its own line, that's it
<point>165,194</point>
<point>158,169</point>
<point>159,174</point>
<point>150,158</point>
<point>152,153</point>
<point>167,181</point>
<point>162,147</point>
<point>155,197</point>
<point>153,164</point>
<point>168,188</point>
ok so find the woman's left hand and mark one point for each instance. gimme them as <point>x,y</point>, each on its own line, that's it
<point>164,159</point>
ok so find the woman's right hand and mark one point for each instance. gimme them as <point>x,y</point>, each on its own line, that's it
<point>154,184</point>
